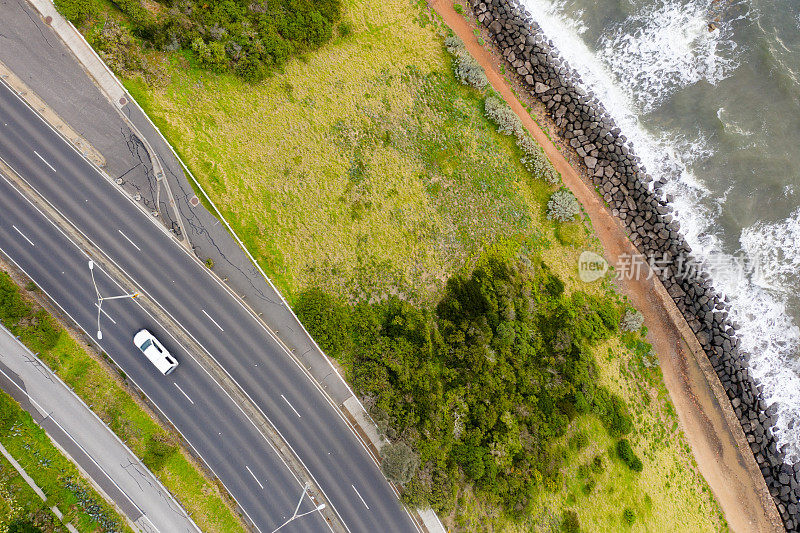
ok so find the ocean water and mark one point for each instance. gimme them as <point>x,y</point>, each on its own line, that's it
<point>708,91</point>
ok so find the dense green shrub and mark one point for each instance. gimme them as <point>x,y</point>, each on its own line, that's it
<point>249,38</point>
<point>327,320</point>
<point>8,411</point>
<point>628,516</point>
<point>12,306</point>
<point>612,412</point>
<point>562,206</point>
<point>22,526</point>
<point>482,387</point>
<point>77,11</point>
<point>158,450</point>
<point>627,455</point>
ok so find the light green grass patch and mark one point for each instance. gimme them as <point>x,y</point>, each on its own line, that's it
<point>366,169</point>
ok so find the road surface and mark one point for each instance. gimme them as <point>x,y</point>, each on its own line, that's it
<point>209,313</point>
<point>88,441</point>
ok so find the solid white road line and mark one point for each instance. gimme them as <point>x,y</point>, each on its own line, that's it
<point>44,160</point>
<point>107,315</point>
<point>290,405</point>
<point>212,320</point>
<point>254,476</point>
<point>359,496</point>
<point>23,235</point>
<point>130,241</point>
<point>180,389</point>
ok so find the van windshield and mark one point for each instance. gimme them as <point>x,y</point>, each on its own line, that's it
<point>146,344</point>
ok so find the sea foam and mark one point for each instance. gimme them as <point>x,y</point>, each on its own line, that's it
<point>638,65</point>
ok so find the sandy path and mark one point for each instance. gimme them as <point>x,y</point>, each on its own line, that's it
<point>704,411</point>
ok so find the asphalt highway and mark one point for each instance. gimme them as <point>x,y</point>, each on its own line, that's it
<point>205,308</point>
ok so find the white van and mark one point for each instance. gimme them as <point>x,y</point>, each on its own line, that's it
<point>155,352</point>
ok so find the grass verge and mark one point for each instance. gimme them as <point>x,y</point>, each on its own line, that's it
<point>106,394</point>
<point>57,476</point>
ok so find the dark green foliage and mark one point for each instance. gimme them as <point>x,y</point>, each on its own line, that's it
<point>247,37</point>
<point>22,526</point>
<point>326,320</point>
<point>8,411</point>
<point>159,448</point>
<point>12,306</point>
<point>481,388</point>
<point>613,412</point>
<point>628,516</point>
<point>42,332</point>
<point>77,11</point>
<point>570,523</point>
<point>626,454</point>
<point>345,29</point>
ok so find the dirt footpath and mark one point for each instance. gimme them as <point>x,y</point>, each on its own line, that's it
<point>704,411</point>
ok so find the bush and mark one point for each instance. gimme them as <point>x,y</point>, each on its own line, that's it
<point>458,8</point>
<point>345,29</point>
<point>326,320</point>
<point>77,11</point>
<point>400,463</point>
<point>247,38</point>
<point>22,526</point>
<point>9,411</point>
<point>465,67</point>
<point>570,523</point>
<point>506,120</point>
<point>627,455</point>
<point>628,516</point>
<point>562,206</point>
<point>536,162</point>
<point>613,413</point>
<point>158,449</point>
<point>12,306</point>
<point>631,321</point>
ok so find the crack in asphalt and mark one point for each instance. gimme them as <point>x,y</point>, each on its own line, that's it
<point>35,23</point>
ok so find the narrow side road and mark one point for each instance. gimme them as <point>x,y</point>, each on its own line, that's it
<point>70,423</point>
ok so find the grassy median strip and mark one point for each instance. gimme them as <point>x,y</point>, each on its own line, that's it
<point>52,472</point>
<point>105,394</point>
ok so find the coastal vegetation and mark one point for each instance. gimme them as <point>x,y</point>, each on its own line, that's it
<point>105,393</point>
<point>402,209</point>
<point>481,387</point>
<point>249,38</point>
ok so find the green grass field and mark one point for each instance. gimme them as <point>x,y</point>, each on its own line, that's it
<point>366,169</point>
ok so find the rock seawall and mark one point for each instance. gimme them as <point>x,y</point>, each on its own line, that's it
<point>639,203</point>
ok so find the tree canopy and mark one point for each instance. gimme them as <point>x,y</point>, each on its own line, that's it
<point>482,385</point>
